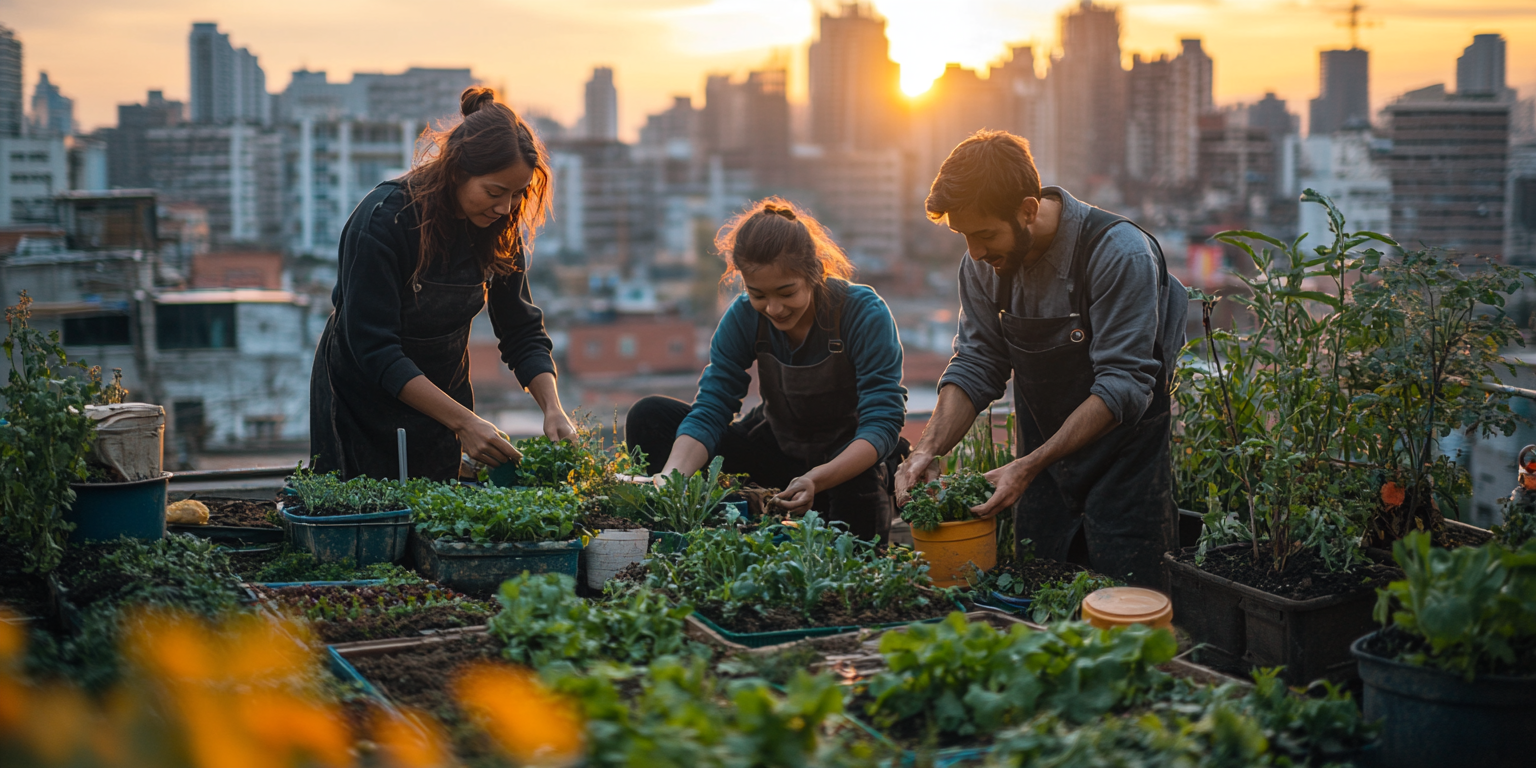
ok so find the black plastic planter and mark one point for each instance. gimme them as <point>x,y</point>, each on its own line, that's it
<point>481,568</point>
<point>1435,719</point>
<point>377,537</point>
<point>1246,627</point>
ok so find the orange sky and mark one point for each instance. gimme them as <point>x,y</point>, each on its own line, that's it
<point>103,52</point>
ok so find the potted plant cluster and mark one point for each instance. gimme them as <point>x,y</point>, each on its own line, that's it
<point>944,531</point>
<point>1310,429</point>
<point>473,539</point>
<point>362,520</point>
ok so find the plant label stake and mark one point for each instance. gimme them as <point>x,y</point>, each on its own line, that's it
<point>400,442</point>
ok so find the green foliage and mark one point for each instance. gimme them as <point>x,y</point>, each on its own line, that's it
<point>1471,609</point>
<point>1060,600</point>
<point>299,565</point>
<point>681,718</point>
<point>684,504</point>
<point>727,570</point>
<point>966,678</point>
<point>352,604</point>
<point>947,499</point>
<point>43,447</point>
<point>549,463</point>
<point>980,452</point>
<point>1286,417</point>
<point>491,515</point>
<point>328,495</point>
<point>1519,519</point>
<point>543,621</point>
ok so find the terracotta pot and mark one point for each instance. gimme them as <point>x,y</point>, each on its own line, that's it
<point>952,547</point>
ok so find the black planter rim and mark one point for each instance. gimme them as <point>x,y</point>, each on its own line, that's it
<point>164,476</point>
<point>1313,603</point>
<point>1357,648</point>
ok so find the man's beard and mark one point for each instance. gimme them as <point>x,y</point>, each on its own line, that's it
<point>1022,242</point>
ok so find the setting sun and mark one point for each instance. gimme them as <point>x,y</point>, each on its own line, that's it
<point>972,33</point>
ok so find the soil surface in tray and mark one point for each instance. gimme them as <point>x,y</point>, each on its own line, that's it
<point>242,513</point>
<point>381,611</point>
<point>21,594</point>
<point>829,613</point>
<point>421,677</point>
<point>1392,642</point>
<point>1304,576</point>
<point>1031,576</point>
<point>247,564</point>
<point>603,522</point>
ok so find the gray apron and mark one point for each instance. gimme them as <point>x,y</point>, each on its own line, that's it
<point>813,413</point>
<point>1117,488</point>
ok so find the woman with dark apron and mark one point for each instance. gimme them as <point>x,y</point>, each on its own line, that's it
<point>828,370</point>
<point>419,258</point>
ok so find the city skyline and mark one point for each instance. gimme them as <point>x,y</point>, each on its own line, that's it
<point>662,48</point>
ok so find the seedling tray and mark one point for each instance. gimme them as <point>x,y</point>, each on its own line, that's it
<point>778,637</point>
<point>478,569</point>
<point>378,537</point>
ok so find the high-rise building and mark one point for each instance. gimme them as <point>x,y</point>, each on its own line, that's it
<point>959,103</point>
<point>330,165</point>
<point>1520,224</point>
<point>1090,98</point>
<point>1480,68</point>
<point>1448,166</point>
<point>745,124</point>
<point>1344,97</point>
<point>1193,86</point>
<point>1028,108</point>
<point>127,152</point>
<point>12,117</point>
<point>1165,99</point>
<point>602,106</point>
<point>233,171</point>
<point>1350,168</point>
<point>228,84</point>
<point>1271,116</point>
<point>855,88</point>
<point>425,96</point>
<point>53,113</point>
<point>32,171</point>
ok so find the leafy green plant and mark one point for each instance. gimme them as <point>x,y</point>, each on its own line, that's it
<point>685,504</point>
<point>1060,600</point>
<point>328,495</point>
<point>726,571</point>
<point>964,678</point>
<point>543,621</point>
<point>549,462</point>
<point>947,499</point>
<point>46,438</point>
<point>491,515</point>
<point>1519,524</point>
<point>299,565</point>
<point>1469,610</point>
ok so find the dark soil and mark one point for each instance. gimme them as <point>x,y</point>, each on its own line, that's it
<point>382,611</point>
<point>1034,575</point>
<point>421,678</point>
<point>598,521</point>
<point>1456,537</point>
<point>1393,643</point>
<point>22,594</point>
<point>634,573</point>
<point>1303,578</point>
<point>247,563</point>
<point>240,512</point>
<point>830,613</point>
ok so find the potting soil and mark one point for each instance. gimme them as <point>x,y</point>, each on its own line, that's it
<point>240,512</point>
<point>422,678</point>
<point>383,610</point>
<point>21,593</point>
<point>1394,643</point>
<point>1304,576</point>
<point>830,612</point>
<point>606,522</point>
<point>1031,576</point>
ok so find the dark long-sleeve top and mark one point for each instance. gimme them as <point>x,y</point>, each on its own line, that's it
<point>1127,310</point>
<point>869,339</point>
<point>376,259</point>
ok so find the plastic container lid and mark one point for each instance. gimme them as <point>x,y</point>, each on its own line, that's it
<point>1123,606</point>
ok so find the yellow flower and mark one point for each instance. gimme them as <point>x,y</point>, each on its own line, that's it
<point>410,739</point>
<point>532,724</point>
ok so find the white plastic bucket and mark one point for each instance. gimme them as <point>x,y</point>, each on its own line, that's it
<point>610,551</point>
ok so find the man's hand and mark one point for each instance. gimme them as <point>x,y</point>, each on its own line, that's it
<point>484,443</point>
<point>1010,481</point>
<point>797,497</point>
<point>919,468</point>
<point>558,426</point>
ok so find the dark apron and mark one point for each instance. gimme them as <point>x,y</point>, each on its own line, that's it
<point>813,412</point>
<point>1118,488</point>
<point>358,418</point>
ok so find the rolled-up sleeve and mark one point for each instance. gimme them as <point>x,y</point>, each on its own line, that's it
<point>980,365</point>
<point>519,325</point>
<point>874,348</point>
<point>1124,304</point>
<point>725,380</point>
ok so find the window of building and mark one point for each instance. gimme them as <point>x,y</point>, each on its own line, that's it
<point>195,326</point>
<point>626,346</point>
<point>190,422</point>
<point>110,330</point>
<point>264,427</point>
<point>594,348</point>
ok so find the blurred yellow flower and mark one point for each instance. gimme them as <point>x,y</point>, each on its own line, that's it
<point>528,721</point>
<point>410,739</point>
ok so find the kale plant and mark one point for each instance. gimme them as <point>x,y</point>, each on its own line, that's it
<point>1060,600</point>
<point>685,504</point>
<point>328,495</point>
<point>542,621</point>
<point>947,499</point>
<point>492,515</point>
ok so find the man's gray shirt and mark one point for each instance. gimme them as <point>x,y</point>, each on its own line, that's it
<point>1127,312</point>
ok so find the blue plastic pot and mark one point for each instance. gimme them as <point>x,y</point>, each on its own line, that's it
<point>108,511</point>
<point>377,537</point>
<point>481,568</point>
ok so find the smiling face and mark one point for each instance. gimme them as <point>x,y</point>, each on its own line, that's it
<point>998,242</point>
<point>484,200</point>
<point>783,296</point>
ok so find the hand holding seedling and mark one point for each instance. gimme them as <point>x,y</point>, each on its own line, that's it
<point>797,497</point>
<point>1010,480</point>
<point>920,468</point>
<point>484,443</point>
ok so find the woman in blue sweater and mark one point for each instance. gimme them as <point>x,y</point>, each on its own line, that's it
<point>829,372</point>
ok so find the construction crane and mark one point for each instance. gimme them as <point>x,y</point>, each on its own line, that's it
<point>1354,23</point>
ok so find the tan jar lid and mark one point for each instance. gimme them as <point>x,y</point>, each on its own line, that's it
<point>1122,606</point>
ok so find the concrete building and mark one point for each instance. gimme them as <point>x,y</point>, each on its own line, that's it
<point>228,84</point>
<point>1237,166</point>
<point>1028,109</point>
<point>855,88</point>
<point>1480,68</point>
<point>602,214</point>
<point>1520,220</point>
<point>746,124</point>
<point>1165,99</point>
<point>12,118</point>
<point>32,172</point>
<point>1350,168</point>
<point>959,103</point>
<point>1448,167</point>
<point>53,113</point>
<point>426,95</point>
<point>1344,92</point>
<point>233,171</point>
<point>330,165</point>
<point>1090,99</point>
<point>127,144</point>
<point>600,121</point>
<point>87,161</point>
<point>631,346</point>
<point>860,196</point>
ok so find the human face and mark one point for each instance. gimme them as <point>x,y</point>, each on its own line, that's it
<point>484,200</point>
<point>998,242</point>
<point>784,297</point>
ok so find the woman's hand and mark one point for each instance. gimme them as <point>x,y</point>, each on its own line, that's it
<point>485,443</point>
<point>796,498</point>
<point>558,426</point>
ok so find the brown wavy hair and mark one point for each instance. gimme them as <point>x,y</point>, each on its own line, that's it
<point>774,230</point>
<point>991,172</point>
<point>490,138</point>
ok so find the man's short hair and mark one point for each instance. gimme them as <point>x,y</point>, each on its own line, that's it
<point>991,172</point>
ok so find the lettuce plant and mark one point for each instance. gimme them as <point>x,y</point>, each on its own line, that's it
<point>493,515</point>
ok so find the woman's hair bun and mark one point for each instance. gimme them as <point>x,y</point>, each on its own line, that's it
<point>475,97</point>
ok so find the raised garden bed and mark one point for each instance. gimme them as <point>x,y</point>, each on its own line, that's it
<point>340,613</point>
<point>473,539</point>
